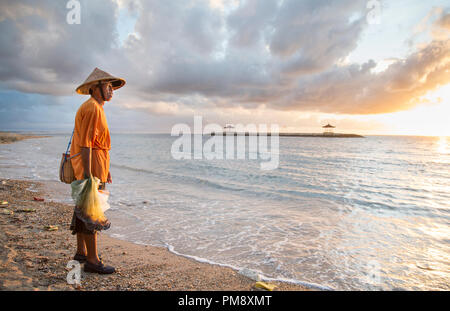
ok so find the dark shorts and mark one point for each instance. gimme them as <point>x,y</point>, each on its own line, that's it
<point>79,225</point>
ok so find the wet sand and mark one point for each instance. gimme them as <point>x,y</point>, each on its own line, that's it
<point>32,258</point>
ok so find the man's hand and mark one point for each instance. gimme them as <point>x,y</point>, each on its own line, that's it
<point>109,179</point>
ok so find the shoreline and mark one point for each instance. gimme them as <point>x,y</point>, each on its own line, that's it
<point>11,137</point>
<point>35,259</point>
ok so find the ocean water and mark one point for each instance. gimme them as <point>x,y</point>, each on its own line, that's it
<point>347,214</point>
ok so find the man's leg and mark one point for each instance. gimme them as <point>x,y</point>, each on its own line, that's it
<point>81,245</point>
<point>91,245</point>
<point>93,263</point>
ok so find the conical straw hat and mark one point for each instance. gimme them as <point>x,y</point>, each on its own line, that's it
<point>99,75</point>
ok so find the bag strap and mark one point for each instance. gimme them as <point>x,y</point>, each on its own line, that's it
<point>74,155</point>
<point>68,147</point>
<point>70,141</point>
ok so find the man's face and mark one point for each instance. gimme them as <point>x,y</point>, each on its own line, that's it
<point>107,91</point>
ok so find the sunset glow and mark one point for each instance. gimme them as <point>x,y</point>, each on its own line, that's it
<point>428,119</point>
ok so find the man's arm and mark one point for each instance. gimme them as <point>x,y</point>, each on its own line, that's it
<point>86,159</point>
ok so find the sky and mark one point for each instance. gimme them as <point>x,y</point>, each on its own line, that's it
<point>365,66</point>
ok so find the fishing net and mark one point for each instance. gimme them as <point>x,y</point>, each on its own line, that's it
<point>89,200</point>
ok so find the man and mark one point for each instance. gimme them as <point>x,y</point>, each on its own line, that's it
<point>90,147</point>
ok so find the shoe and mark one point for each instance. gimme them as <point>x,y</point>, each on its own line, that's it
<point>100,268</point>
<point>83,258</point>
<point>80,258</point>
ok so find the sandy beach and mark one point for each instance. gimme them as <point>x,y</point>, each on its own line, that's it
<point>33,258</point>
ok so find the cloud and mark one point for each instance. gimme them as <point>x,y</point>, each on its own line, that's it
<point>41,53</point>
<point>441,28</point>
<point>355,89</point>
<point>254,54</point>
<point>315,34</point>
<point>444,21</point>
<point>186,57</point>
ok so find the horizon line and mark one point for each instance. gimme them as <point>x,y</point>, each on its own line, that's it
<point>59,132</point>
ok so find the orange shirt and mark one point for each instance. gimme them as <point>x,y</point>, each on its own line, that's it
<point>91,130</point>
